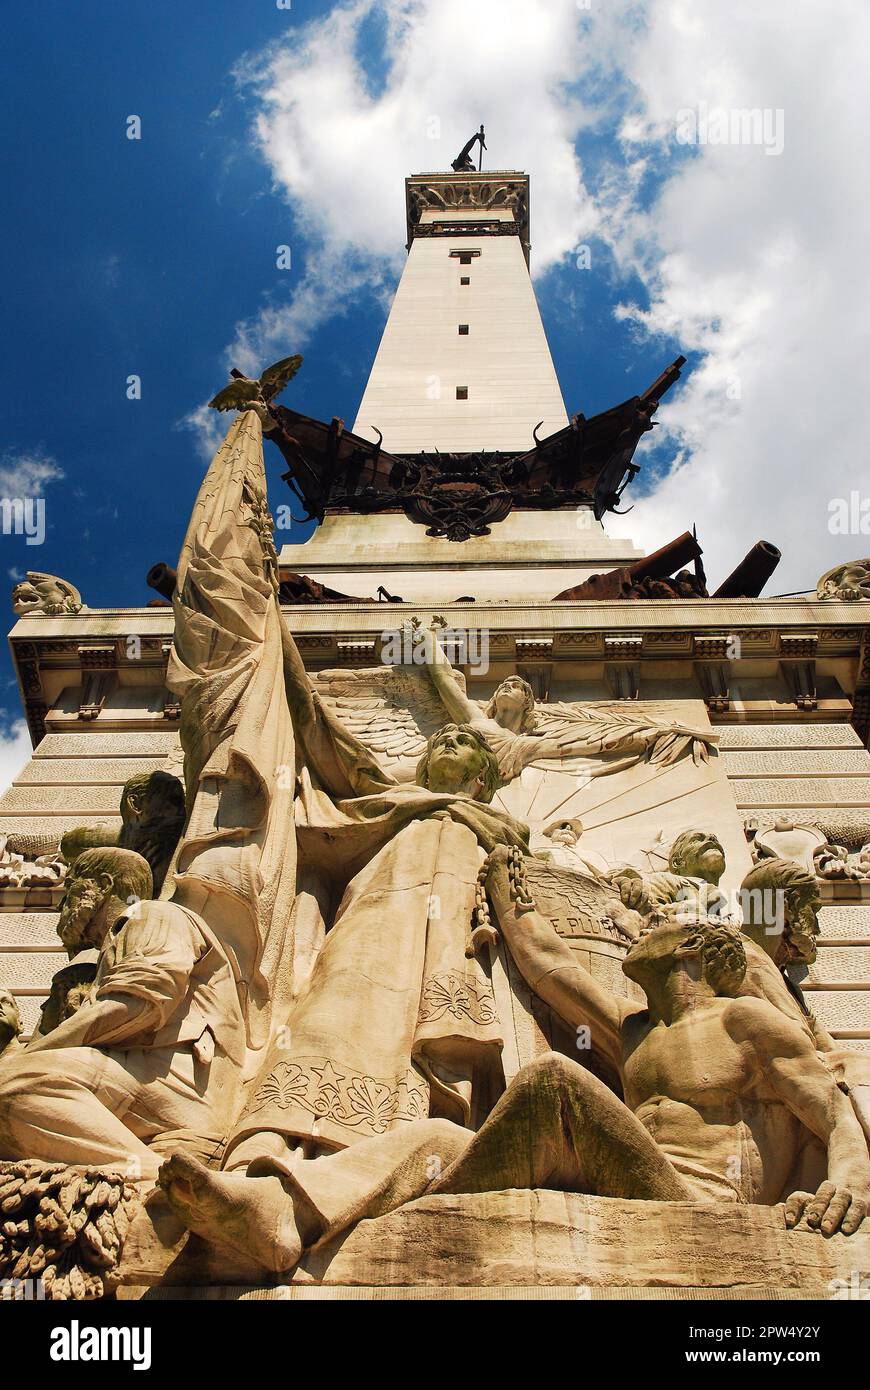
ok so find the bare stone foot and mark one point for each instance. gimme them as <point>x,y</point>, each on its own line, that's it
<point>253,1216</point>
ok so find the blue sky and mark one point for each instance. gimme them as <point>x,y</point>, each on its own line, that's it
<point>139,256</point>
<point>264,126</point>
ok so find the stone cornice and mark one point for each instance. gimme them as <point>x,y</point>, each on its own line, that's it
<point>834,623</point>
<point>727,616</point>
<point>685,630</point>
<point>469,194</point>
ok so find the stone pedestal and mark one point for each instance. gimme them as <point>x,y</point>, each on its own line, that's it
<point>564,1243</point>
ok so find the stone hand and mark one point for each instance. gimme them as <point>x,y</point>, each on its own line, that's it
<point>832,1208</point>
<point>496,871</point>
<point>670,746</point>
<point>632,891</point>
<point>625,919</point>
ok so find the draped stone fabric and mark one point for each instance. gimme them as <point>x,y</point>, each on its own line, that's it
<point>394,1018</point>
<point>396,1022</point>
<point>236,866</point>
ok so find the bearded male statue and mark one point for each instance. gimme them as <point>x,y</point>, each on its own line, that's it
<point>154,1060</point>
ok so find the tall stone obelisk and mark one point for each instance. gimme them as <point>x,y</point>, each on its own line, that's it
<point>464,364</point>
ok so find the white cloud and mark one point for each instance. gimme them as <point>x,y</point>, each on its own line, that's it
<point>325,290</point>
<point>15,750</point>
<point>209,427</point>
<point>341,154</point>
<point>26,473</point>
<point>754,264</point>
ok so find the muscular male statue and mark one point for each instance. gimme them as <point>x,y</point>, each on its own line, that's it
<point>731,1090</point>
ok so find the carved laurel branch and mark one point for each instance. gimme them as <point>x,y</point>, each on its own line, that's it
<point>63,1226</point>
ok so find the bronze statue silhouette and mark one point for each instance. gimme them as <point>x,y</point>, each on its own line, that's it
<point>463,160</point>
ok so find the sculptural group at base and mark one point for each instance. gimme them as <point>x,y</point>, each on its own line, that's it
<point>302,1033</point>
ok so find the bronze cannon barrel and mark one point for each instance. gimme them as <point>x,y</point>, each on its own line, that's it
<point>753,572</point>
<point>617,583</point>
<point>162,578</point>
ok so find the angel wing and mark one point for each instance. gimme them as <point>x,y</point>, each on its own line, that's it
<point>392,710</point>
<point>276,377</point>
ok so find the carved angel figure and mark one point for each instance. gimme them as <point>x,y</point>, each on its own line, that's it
<point>522,734</point>
<point>392,710</point>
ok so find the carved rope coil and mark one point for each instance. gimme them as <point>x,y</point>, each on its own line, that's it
<point>63,1226</point>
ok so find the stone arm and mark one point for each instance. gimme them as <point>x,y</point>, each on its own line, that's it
<point>824,1041</point>
<point>666,893</point>
<point>461,709</point>
<point>550,968</point>
<point>74,842</point>
<point>139,990</point>
<point>662,744</point>
<point>338,761</point>
<point>791,1067</point>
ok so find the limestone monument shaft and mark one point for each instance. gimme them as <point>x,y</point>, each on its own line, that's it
<point>460,897</point>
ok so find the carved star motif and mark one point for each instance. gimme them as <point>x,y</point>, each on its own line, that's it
<point>329,1077</point>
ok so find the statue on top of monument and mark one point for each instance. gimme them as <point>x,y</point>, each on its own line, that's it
<point>257,394</point>
<point>463,160</point>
